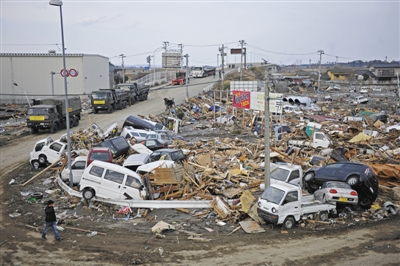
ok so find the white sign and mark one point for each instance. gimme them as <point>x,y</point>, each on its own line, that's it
<point>275,102</point>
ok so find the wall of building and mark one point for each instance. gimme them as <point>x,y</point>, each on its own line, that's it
<point>32,74</point>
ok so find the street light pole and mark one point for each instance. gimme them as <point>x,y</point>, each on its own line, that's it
<point>52,82</point>
<point>266,134</point>
<point>59,3</point>
<point>15,84</point>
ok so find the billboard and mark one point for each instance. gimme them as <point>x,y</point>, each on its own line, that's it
<point>255,101</point>
<point>241,99</point>
<point>238,50</point>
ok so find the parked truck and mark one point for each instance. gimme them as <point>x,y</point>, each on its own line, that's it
<point>136,91</point>
<point>109,100</point>
<point>180,78</point>
<point>51,114</point>
<point>283,203</point>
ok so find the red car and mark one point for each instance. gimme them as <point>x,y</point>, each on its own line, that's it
<point>100,154</point>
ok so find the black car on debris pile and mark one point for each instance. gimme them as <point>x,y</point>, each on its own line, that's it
<point>359,176</point>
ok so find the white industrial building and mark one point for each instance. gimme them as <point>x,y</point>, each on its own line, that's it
<point>37,75</point>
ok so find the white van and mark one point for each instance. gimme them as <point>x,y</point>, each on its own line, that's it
<point>111,181</point>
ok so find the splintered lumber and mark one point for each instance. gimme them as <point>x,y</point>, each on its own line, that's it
<point>84,230</point>
<point>183,210</point>
<point>41,172</point>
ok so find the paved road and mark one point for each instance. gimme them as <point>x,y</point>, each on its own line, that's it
<point>18,151</point>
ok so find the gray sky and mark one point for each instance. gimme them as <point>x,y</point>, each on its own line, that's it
<point>283,32</point>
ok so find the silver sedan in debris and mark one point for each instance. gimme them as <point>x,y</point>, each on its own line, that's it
<point>334,191</point>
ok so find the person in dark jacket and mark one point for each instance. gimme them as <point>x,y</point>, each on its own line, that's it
<point>50,221</point>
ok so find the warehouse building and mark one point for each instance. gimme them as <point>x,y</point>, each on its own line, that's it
<point>40,75</point>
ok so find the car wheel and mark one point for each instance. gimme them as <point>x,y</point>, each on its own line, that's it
<point>34,130</point>
<point>96,111</point>
<point>365,203</point>
<point>76,119</point>
<point>323,216</point>
<point>352,180</point>
<point>311,187</point>
<point>88,193</point>
<point>309,176</point>
<point>36,164</point>
<point>288,223</point>
<point>42,159</point>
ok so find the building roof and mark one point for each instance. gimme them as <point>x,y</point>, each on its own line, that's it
<point>385,65</point>
<point>47,54</point>
<point>340,70</point>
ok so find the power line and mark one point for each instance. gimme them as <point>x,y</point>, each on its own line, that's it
<point>203,45</point>
<point>340,57</point>
<point>278,52</point>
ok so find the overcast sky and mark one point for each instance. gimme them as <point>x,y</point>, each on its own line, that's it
<point>282,32</point>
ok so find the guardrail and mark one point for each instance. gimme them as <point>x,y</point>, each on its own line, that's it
<point>151,204</point>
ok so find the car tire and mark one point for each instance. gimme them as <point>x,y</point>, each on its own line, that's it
<point>37,195</point>
<point>88,193</point>
<point>289,222</point>
<point>365,203</point>
<point>76,121</point>
<point>42,159</point>
<point>95,111</point>
<point>352,181</point>
<point>323,215</point>
<point>311,187</point>
<point>309,177</point>
<point>34,130</point>
<point>35,164</point>
<point>54,128</point>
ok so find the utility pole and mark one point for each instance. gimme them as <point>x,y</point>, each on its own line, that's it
<point>222,76</point>
<point>242,43</point>
<point>319,68</point>
<point>149,61</point>
<point>337,57</point>
<point>123,69</point>
<point>217,60</point>
<point>165,44</point>
<point>52,82</point>
<point>186,76</point>
<point>398,84</point>
<point>266,134</point>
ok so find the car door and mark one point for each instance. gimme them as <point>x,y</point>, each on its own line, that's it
<point>54,152</point>
<point>78,167</point>
<point>290,205</point>
<point>295,178</point>
<point>327,172</point>
<point>131,188</point>
<point>111,184</point>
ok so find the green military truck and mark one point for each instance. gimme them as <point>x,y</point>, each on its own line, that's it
<point>109,100</point>
<point>51,114</point>
<point>136,91</point>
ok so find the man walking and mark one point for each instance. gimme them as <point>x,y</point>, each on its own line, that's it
<point>50,221</point>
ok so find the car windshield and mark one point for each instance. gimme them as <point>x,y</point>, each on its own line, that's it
<point>338,185</point>
<point>279,174</point>
<point>99,95</point>
<point>38,111</point>
<point>273,195</point>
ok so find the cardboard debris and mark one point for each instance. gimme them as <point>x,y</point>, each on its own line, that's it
<point>251,227</point>
<point>162,226</point>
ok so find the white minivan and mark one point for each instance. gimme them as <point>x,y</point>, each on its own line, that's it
<point>111,181</point>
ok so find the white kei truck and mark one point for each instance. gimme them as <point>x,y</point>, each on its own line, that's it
<point>283,203</point>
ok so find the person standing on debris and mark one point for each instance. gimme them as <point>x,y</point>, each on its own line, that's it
<point>50,221</point>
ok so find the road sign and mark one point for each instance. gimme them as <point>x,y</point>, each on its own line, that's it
<point>66,72</point>
<point>73,72</point>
